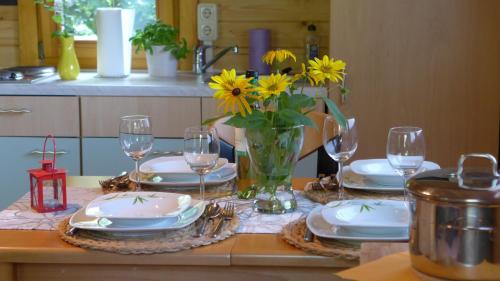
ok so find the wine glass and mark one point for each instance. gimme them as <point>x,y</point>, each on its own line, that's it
<point>136,139</point>
<point>406,151</point>
<point>340,142</point>
<point>201,151</point>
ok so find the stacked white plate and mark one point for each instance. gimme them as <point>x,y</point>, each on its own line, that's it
<point>174,171</point>
<point>361,220</point>
<point>377,175</point>
<point>138,211</point>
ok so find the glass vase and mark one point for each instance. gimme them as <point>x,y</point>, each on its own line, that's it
<point>273,156</point>
<point>68,67</point>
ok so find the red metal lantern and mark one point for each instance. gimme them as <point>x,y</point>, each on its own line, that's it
<point>48,184</point>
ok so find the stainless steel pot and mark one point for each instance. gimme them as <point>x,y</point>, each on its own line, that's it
<point>455,229</point>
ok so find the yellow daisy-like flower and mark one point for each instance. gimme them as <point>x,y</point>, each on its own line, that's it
<point>232,90</point>
<point>279,55</point>
<point>274,84</point>
<point>326,69</point>
<point>304,75</point>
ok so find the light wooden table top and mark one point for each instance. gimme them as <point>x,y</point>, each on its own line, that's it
<point>37,246</point>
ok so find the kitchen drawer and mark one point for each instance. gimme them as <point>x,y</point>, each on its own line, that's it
<point>105,157</point>
<point>39,116</point>
<point>18,154</point>
<point>171,115</point>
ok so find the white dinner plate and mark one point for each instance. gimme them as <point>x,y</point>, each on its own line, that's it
<point>355,181</point>
<point>173,165</point>
<point>321,228</point>
<point>367,215</point>
<point>190,215</point>
<point>138,205</point>
<point>381,172</point>
<point>222,175</point>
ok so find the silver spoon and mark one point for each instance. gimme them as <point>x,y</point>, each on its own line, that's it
<point>213,211</point>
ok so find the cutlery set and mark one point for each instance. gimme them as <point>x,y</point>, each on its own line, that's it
<point>212,212</point>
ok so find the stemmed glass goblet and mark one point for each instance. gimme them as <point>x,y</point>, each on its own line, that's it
<point>201,151</point>
<point>406,151</point>
<point>136,139</point>
<point>340,142</point>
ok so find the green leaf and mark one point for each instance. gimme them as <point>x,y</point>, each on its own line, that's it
<point>57,18</point>
<point>337,114</point>
<point>296,118</point>
<point>255,120</point>
<point>344,91</point>
<point>139,199</point>
<point>365,207</point>
<point>248,193</point>
<point>300,101</point>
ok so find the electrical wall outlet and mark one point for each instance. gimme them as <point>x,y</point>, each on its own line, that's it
<point>207,22</point>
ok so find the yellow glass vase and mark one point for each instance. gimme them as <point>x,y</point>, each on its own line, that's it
<point>68,67</point>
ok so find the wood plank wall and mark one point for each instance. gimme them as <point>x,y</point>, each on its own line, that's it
<point>287,20</point>
<point>8,36</point>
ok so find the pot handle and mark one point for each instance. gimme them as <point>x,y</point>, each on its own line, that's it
<point>463,157</point>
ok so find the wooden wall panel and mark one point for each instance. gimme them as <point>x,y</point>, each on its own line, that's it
<point>28,39</point>
<point>433,64</point>
<point>287,20</point>
<point>187,29</point>
<point>8,36</point>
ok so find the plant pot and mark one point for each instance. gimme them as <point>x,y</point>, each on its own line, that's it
<point>68,66</point>
<point>273,156</point>
<point>161,63</point>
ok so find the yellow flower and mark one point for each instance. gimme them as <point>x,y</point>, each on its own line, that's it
<point>274,84</point>
<point>304,75</point>
<point>232,90</point>
<point>326,69</point>
<point>278,55</point>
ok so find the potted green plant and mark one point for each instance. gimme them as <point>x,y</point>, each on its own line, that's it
<point>162,48</point>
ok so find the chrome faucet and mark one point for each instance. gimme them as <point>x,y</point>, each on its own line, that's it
<point>200,65</point>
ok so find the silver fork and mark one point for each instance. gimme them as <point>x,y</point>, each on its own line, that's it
<point>227,215</point>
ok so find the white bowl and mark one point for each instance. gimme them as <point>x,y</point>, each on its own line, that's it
<point>381,172</point>
<point>138,205</point>
<point>368,216</point>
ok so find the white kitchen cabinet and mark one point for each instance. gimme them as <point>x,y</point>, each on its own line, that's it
<point>22,153</point>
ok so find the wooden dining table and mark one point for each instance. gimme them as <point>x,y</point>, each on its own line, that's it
<point>29,255</point>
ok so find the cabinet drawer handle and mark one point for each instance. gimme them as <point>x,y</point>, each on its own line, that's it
<point>166,153</point>
<point>39,152</point>
<point>15,110</point>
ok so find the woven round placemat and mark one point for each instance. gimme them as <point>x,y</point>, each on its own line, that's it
<point>144,242</point>
<point>293,233</point>
<point>316,193</point>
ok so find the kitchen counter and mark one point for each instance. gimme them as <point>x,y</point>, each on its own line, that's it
<point>136,84</point>
<point>42,255</point>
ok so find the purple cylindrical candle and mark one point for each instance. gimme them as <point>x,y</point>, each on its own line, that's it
<point>259,44</point>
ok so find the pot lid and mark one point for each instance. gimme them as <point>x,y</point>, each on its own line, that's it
<point>461,185</point>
